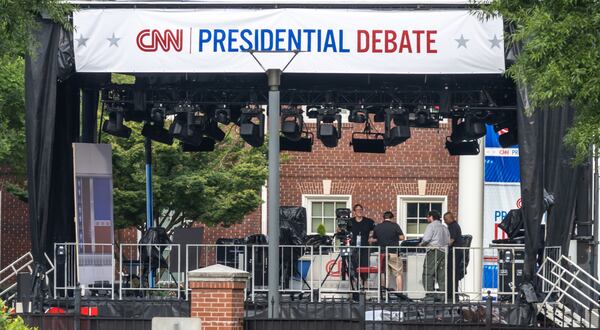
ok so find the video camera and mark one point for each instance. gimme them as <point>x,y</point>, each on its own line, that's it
<point>342,216</point>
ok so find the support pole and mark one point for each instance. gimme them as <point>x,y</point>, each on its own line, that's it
<point>470,212</point>
<point>274,77</point>
<point>149,197</point>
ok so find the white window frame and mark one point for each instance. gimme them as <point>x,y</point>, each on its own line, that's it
<point>403,199</point>
<point>307,204</point>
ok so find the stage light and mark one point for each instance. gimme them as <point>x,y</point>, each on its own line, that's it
<point>213,131</point>
<point>207,144</point>
<point>359,115</point>
<point>462,148</point>
<point>157,132</point>
<point>425,116</point>
<point>223,114</point>
<point>114,125</point>
<point>252,126</point>
<point>292,124</point>
<point>329,126</point>
<point>369,143</point>
<point>183,129</point>
<point>509,139</point>
<point>304,143</point>
<point>471,128</point>
<point>401,131</point>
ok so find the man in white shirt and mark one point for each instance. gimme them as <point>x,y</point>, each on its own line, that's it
<point>437,237</point>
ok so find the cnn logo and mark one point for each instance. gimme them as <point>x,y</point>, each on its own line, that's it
<point>149,40</point>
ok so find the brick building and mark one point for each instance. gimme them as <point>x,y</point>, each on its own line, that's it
<point>408,179</point>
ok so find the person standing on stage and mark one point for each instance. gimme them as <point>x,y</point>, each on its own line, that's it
<point>362,229</point>
<point>437,237</point>
<point>389,233</point>
<point>454,259</point>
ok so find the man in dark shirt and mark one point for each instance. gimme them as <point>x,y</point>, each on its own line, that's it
<point>389,234</point>
<point>361,228</point>
<point>453,262</point>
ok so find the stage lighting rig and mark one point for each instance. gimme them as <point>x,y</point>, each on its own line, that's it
<point>470,128</point>
<point>426,116</point>
<point>114,125</point>
<point>252,126</point>
<point>396,135</point>
<point>329,125</point>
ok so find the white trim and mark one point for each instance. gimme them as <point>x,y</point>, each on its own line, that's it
<point>263,210</point>
<point>401,218</point>
<point>308,198</point>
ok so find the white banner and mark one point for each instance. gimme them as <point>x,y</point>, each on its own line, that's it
<point>498,200</point>
<point>329,40</point>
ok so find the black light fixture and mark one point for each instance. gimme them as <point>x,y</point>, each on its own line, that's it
<point>329,126</point>
<point>114,125</point>
<point>359,115</point>
<point>292,124</point>
<point>207,144</point>
<point>509,138</point>
<point>252,126</point>
<point>427,116</point>
<point>400,132</point>
<point>368,142</point>
<point>460,143</point>
<point>213,131</point>
<point>223,114</point>
<point>470,128</point>
<point>183,129</point>
<point>303,144</point>
<point>154,129</point>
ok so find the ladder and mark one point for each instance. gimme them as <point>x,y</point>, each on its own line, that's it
<point>8,275</point>
<point>567,282</point>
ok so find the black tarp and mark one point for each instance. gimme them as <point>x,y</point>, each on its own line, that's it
<point>546,163</point>
<point>52,124</point>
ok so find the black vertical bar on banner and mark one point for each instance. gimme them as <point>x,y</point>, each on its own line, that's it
<point>89,116</point>
<point>77,308</point>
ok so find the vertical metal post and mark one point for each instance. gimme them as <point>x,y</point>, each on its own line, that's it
<point>274,78</point>
<point>149,197</point>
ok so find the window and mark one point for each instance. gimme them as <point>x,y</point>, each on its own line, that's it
<point>412,212</point>
<point>320,209</point>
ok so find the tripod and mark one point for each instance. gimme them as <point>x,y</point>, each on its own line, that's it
<point>345,254</point>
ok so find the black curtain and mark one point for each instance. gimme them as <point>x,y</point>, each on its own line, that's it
<point>546,163</point>
<point>52,124</point>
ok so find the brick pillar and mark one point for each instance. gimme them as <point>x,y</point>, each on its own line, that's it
<point>218,296</point>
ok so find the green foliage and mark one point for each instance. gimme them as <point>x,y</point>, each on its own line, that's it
<point>18,18</point>
<point>321,230</point>
<point>217,187</point>
<point>559,59</point>
<point>12,115</point>
<point>10,322</point>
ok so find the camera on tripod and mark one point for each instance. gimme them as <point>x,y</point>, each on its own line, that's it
<point>343,233</point>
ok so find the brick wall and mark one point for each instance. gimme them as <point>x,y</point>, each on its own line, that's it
<point>15,238</point>
<point>374,180</point>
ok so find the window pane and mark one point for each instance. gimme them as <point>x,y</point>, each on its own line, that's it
<point>411,210</point>
<point>437,207</point>
<point>341,205</point>
<point>317,209</point>
<point>328,225</point>
<point>422,229</point>
<point>423,210</point>
<point>411,228</point>
<point>328,209</point>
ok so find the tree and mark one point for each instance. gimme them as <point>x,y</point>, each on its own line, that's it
<point>17,23</point>
<point>559,59</point>
<point>217,187</point>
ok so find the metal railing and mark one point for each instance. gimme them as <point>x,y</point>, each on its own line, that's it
<point>87,265</point>
<point>572,287</point>
<point>10,272</point>
<point>150,270</point>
